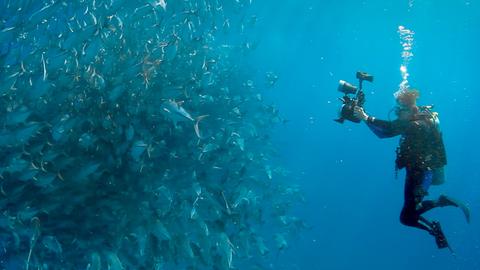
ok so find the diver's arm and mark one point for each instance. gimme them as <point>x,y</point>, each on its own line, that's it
<point>385,129</point>
<point>381,128</point>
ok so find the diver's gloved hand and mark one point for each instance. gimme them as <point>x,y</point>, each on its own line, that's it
<point>360,113</point>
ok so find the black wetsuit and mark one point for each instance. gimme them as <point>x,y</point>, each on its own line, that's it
<point>422,154</point>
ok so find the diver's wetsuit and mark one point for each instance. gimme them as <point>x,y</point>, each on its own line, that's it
<point>422,153</point>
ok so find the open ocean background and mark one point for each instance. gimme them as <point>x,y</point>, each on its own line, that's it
<point>353,199</point>
<point>206,185</point>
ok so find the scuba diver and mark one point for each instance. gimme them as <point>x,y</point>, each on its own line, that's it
<point>422,153</point>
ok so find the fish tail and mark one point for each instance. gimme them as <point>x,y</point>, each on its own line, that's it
<point>196,126</point>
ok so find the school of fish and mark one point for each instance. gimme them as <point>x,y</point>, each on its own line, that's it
<point>132,137</point>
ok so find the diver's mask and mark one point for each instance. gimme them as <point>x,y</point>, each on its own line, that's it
<point>402,111</point>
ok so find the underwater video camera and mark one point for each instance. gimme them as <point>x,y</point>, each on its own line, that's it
<point>353,97</point>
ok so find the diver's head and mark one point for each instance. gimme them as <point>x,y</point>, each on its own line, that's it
<point>407,97</point>
<point>404,112</point>
<point>406,103</point>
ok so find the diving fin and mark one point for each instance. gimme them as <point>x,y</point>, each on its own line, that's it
<point>440,238</point>
<point>447,201</point>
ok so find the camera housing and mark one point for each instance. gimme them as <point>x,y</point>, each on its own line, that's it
<point>363,76</point>
<point>353,96</point>
<point>346,87</point>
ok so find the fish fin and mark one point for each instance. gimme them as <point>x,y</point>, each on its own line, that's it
<point>3,191</point>
<point>197,121</point>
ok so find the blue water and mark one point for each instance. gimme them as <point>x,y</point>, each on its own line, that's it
<point>353,199</point>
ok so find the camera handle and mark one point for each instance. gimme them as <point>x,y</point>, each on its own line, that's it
<point>360,96</point>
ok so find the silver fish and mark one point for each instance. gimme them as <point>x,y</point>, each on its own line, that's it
<point>176,113</point>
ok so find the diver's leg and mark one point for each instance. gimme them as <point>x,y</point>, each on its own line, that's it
<point>436,231</point>
<point>412,197</point>
<point>425,223</point>
<point>443,201</point>
<point>423,180</point>
<point>425,206</point>
<point>414,206</point>
<point>409,217</point>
